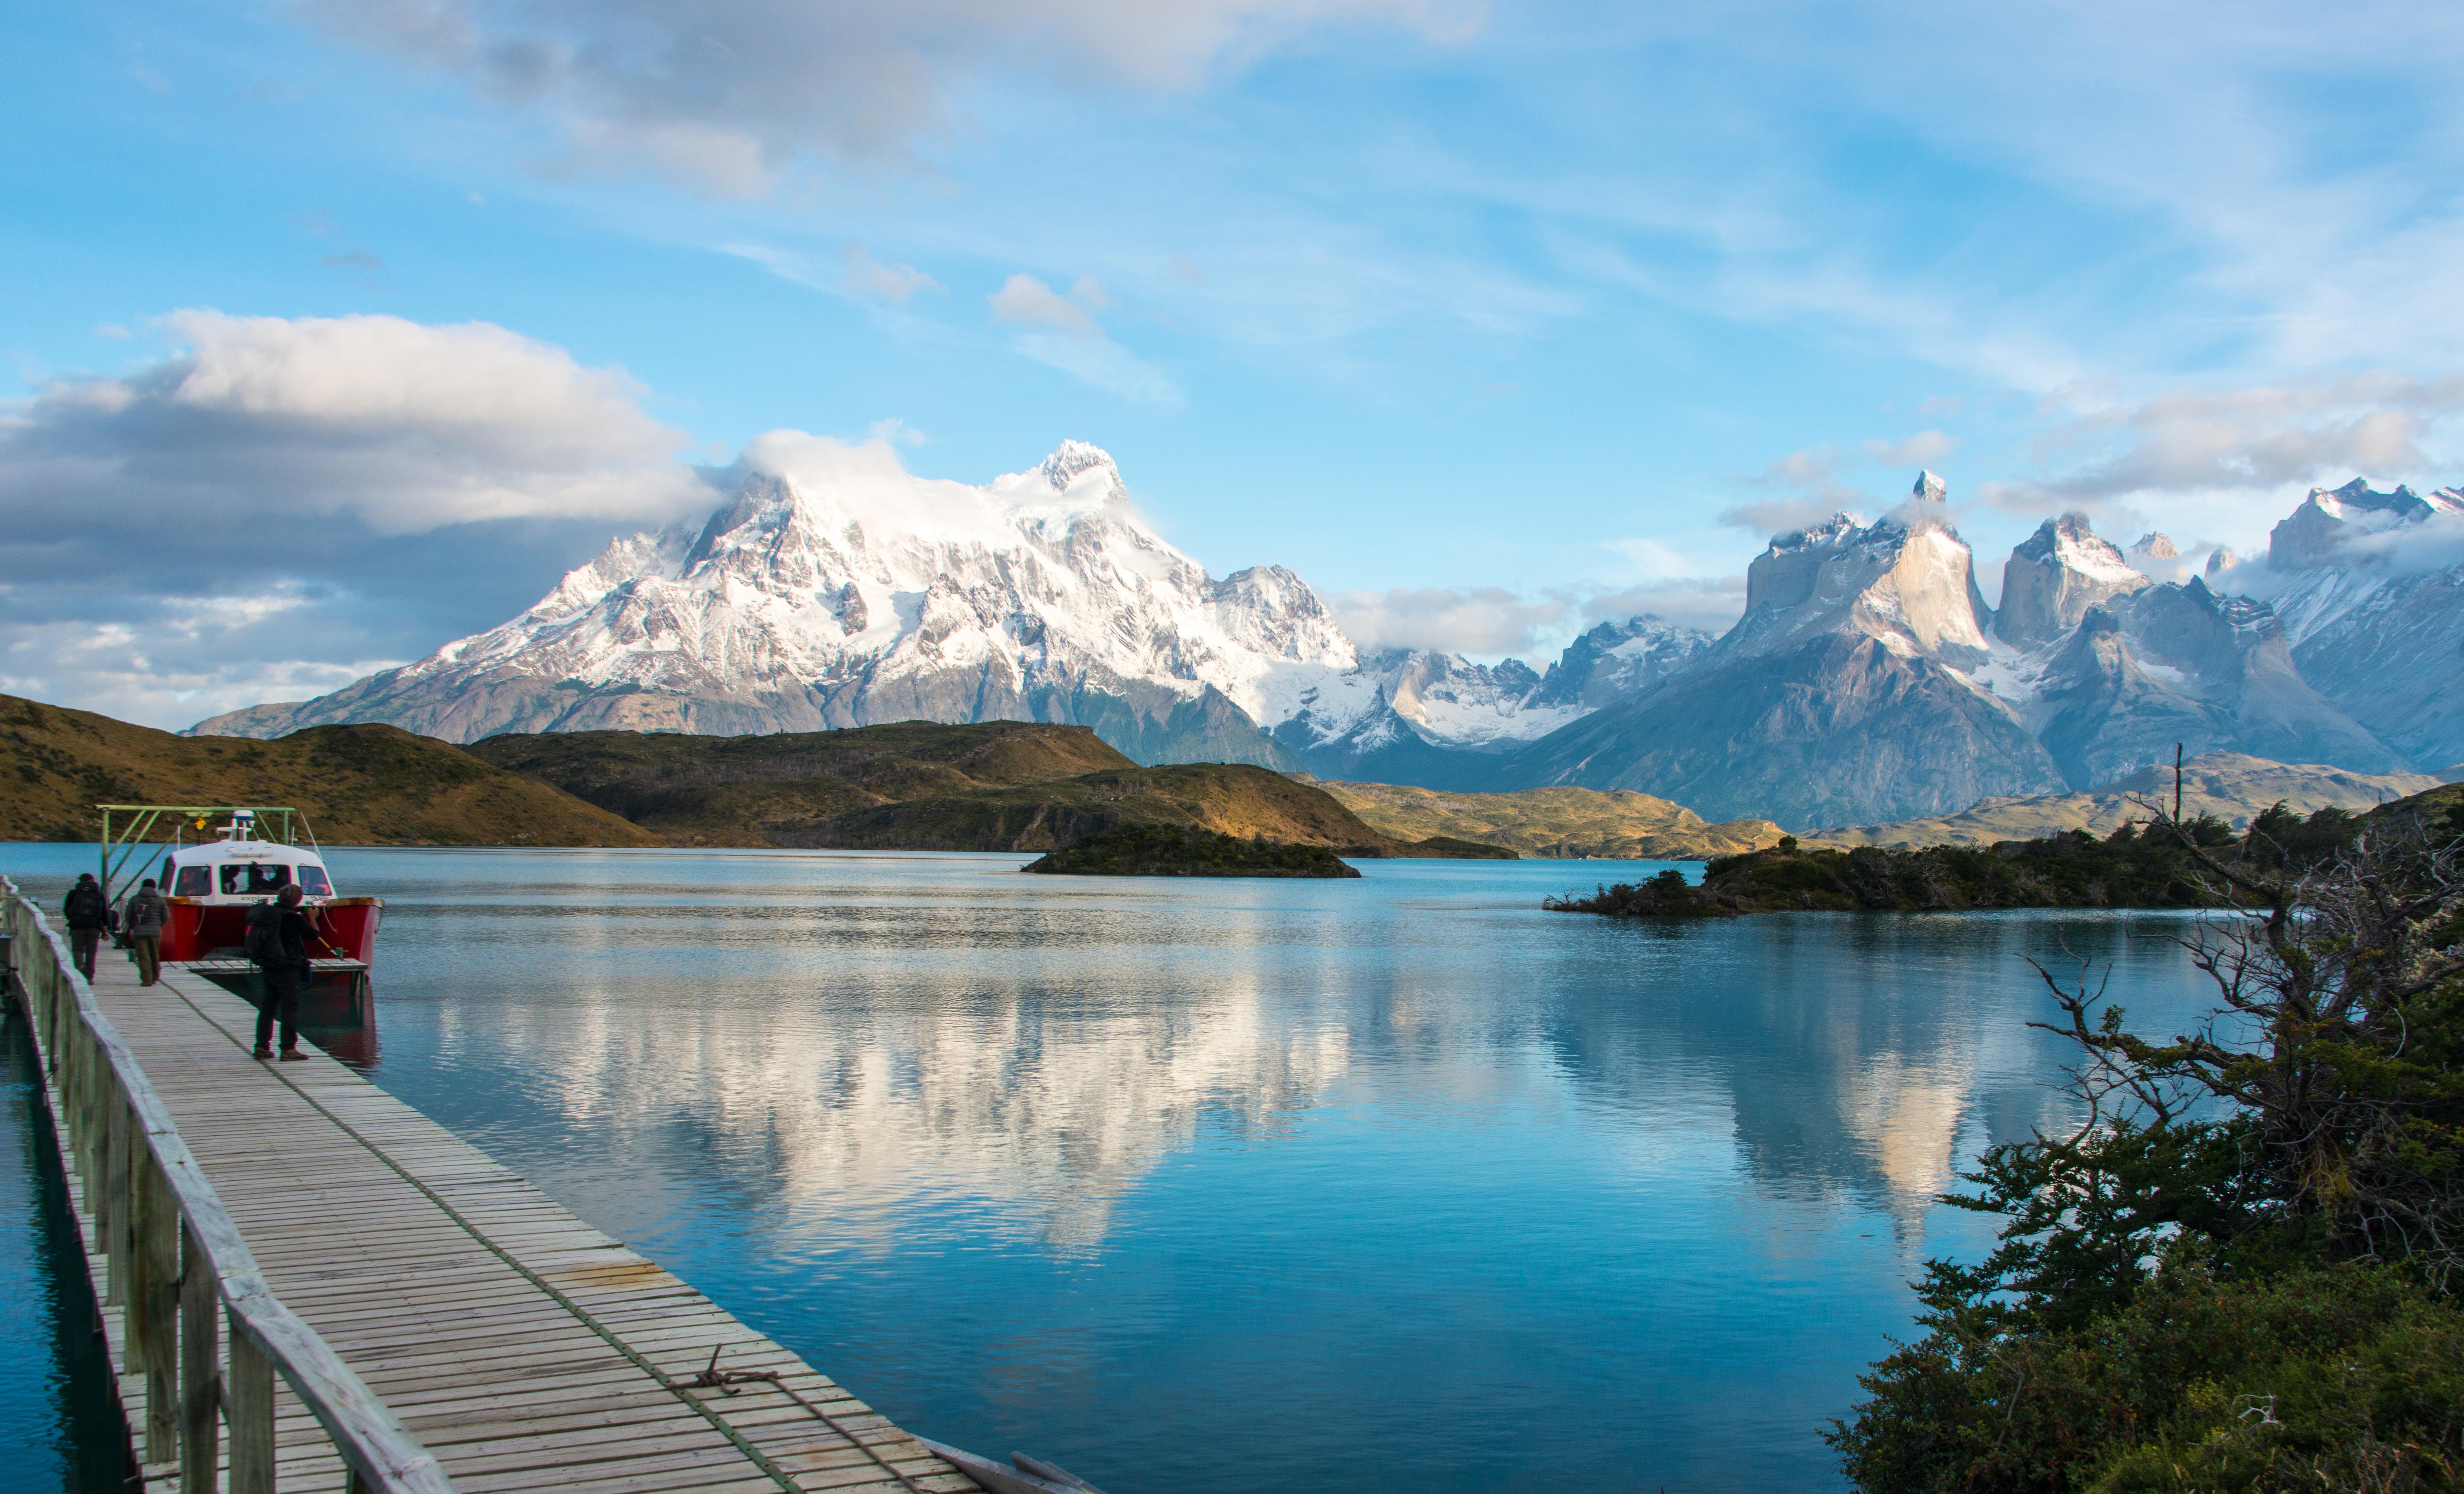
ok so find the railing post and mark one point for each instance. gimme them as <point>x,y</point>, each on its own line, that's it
<point>157,1304</point>
<point>111,1217</point>
<point>249,1394</point>
<point>200,1387</point>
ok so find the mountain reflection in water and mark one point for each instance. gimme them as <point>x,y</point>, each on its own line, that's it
<point>1209,1185</point>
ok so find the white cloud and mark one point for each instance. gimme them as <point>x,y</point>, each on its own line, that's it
<point>1486,621</point>
<point>287,499</point>
<point>727,98</point>
<point>1710,603</point>
<point>858,274</point>
<point>404,427</point>
<point>866,276</point>
<point>1917,450</point>
<point>1025,301</point>
<point>1064,335</point>
<point>1780,515</point>
<point>2258,442</point>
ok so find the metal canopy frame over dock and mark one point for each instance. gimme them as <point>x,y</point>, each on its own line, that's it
<point>308,1286</point>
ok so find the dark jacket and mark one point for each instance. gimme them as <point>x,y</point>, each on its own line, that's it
<point>292,929</point>
<point>84,906</point>
<point>148,913</point>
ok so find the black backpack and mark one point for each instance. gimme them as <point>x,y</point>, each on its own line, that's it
<point>86,908</point>
<point>263,942</point>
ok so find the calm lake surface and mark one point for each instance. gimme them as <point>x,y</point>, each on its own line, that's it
<point>1215,1185</point>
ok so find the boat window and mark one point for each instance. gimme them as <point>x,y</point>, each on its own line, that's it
<point>194,882</point>
<point>312,881</point>
<point>256,876</point>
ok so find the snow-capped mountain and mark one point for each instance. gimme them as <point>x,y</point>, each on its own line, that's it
<point>1616,660</point>
<point>833,588</point>
<point>2370,587</point>
<point>2055,574</point>
<point>1842,694</point>
<point>1868,672</point>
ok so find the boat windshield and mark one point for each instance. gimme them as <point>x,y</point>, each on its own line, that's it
<point>256,876</point>
<point>194,882</point>
<point>312,881</point>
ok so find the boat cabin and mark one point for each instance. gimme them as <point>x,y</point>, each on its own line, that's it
<point>241,869</point>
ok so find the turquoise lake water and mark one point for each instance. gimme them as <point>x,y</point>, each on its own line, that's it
<point>1210,1185</point>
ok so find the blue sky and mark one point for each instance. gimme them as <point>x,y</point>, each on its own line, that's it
<point>1489,320</point>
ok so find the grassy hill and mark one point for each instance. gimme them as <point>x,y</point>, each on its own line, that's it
<point>357,785</point>
<point>784,789</point>
<point>919,785</point>
<point>2229,786</point>
<point>1554,822</point>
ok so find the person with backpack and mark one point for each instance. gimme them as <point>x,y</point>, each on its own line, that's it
<point>87,915</point>
<point>147,914</point>
<point>276,940</point>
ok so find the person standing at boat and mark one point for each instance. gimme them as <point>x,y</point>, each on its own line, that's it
<point>279,946</point>
<point>88,915</point>
<point>148,913</point>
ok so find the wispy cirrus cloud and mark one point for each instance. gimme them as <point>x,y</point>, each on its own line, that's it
<point>727,99</point>
<point>1061,330</point>
<point>857,273</point>
<point>2191,441</point>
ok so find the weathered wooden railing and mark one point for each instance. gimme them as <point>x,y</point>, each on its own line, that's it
<point>174,1257</point>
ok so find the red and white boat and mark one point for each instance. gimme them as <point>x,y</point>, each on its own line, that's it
<point>212,885</point>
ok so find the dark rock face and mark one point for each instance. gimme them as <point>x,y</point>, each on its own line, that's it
<point>2179,664</point>
<point>1838,729</point>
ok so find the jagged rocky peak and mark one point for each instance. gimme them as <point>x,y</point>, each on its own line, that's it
<point>1908,581</point>
<point>1073,460</point>
<point>1930,487</point>
<point>2221,559</point>
<point>2331,517</point>
<point>2055,574</point>
<point>1616,659</point>
<point>2154,546</point>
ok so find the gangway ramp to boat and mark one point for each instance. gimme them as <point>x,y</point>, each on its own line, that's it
<point>417,1301</point>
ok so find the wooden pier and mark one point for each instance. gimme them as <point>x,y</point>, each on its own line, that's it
<point>487,1339</point>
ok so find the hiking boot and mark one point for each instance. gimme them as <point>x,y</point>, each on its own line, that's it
<point>263,1053</point>
<point>294,1056</point>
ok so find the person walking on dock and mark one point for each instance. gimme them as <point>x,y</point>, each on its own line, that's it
<point>148,913</point>
<point>87,915</point>
<point>278,940</point>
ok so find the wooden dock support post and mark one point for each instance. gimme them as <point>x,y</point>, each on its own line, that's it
<point>111,1207</point>
<point>200,1387</point>
<point>250,1395</point>
<point>156,1309</point>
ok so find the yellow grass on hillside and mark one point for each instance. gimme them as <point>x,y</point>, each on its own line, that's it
<point>1554,822</point>
<point>359,786</point>
<point>2233,786</point>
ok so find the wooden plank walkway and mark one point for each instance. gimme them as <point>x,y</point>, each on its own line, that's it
<point>523,1347</point>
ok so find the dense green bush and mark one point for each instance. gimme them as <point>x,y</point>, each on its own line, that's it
<point>1172,850</point>
<point>2240,1271</point>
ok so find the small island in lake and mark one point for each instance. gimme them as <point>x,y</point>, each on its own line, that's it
<point>1168,850</point>
<point>2131,867</point>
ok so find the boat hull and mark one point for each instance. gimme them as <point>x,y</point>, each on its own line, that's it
<point>198,930</point>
